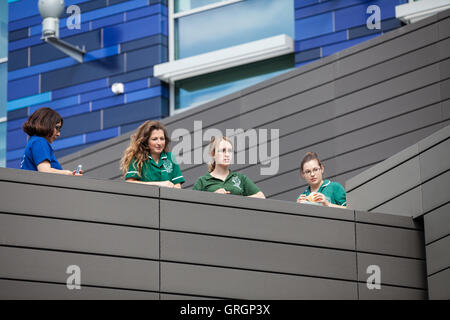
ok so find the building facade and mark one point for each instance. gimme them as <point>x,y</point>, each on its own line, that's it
<point>138,43</point>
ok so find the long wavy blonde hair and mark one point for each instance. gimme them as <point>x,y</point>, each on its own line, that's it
<point>139,148</point>
<point>213,144</point>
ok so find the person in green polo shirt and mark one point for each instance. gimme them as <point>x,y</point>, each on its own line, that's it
<point>319,191</point>
<point>220,179</point>
<point>148,161</point>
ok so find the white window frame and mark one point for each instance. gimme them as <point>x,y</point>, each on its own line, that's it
<point>414,11</point>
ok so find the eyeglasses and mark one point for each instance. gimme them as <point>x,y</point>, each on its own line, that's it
<point>58,128</point>
<point>308,172</point>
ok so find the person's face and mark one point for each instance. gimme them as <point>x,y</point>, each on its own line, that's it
<point>157,141</point>
<point>56,133</point>
<point>312,172</point>
<point>224,153</point>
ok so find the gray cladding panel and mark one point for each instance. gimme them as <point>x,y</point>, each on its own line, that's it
<point>243,284</point>
<point>433,196</point>
<point>78,204</point>
<point>439,285</point>
<point>388,220</point>
<point>76,236</point>
<point>391,293</point>
<point>394,271</point>
<point>50,266</point>
<point>437,223</point>
<point>255,224</point>
<point>407,204</point>
<point>438,255</point>
<point>435,161</point>
<point>389,241</point>
<point>256,255</point>
<point>23,290</point>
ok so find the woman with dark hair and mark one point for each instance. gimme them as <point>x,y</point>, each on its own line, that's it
<point>148,161</point>
<point>220,179</point>
<point>43,127</point>
<point>324,192</point>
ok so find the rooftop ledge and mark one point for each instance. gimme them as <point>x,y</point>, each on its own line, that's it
<point>414,11</point>
<point>224,58</point>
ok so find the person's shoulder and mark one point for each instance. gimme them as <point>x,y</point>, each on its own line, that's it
<point>336,185</point>
<point>36,141</point>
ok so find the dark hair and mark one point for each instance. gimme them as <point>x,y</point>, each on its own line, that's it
<point>308,157</point>
<point>42,122</point>
<point>139,147</point>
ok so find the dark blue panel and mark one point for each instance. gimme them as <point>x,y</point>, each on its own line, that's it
<point>14,164</point>
<point>18,34</point>
<point>65,32</point>
<point>19,24</point>
<point>46,52</point>
<point>144,42</point>
<point>83,123</point>
<point>23,43</point>
<point>307,55</point>
<point>15,124</point>
<point>144,12</point>
<point>364,31</point>
<point>73,90</point>
<point>132,112</point>
<point>108,102</point>
<point>71,111</point>
<point>63,152</point>
<point>17,114</point>
<point>82,73</point>
<point>304,3</point>
<point>314,26</point>
<point>68,142</point>
<point>320,41</point>
<point>131,30</point>
<point>112,2</point>
<point>23,87</point>
<point>328,50</point>
<point>95,95</point>
<point>326,6</point>
<point>102,135</point>
<point>18,59</point>
<point>136,85</point>
<point>22,9</point>
<point>144,57</point>
<point>15,139</point>
<point>116,19</point>
<point>134,75</point>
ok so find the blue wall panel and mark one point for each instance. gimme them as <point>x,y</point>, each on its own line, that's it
<point>28,101</point>
<point>108,102</point>
<point>17,139</point>
<point>314,26</point>
<point>102,135</point>
<point>18,59</point>
<point>55,104</point>
<point>131,30</point>
<point>71,111</point>
<point>83,123</point>
<point>84,87</point>
<point>23,87</point>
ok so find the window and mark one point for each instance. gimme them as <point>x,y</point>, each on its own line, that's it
<point>198,27</point>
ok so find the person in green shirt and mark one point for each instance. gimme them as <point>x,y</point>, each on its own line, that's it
<point>220,179</point>
<point>148,161</point>
<point>324,192</point>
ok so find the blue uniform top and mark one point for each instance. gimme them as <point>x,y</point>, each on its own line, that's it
<point>38,149</point>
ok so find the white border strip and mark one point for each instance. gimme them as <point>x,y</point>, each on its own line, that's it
<point>418,10</point>
<point>224,58</point>
<point>203,8</point>
<point>3,60</point>
<point>3,119</point>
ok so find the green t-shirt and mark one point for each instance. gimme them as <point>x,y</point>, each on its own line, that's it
<point>333,191</point>
<point>166,169</point>
<point>235,182</point>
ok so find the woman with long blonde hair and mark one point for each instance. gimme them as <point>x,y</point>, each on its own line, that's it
<point>148,161</point>
<point>220,179</point>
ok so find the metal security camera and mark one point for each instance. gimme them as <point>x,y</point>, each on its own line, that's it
<point>50,11</point>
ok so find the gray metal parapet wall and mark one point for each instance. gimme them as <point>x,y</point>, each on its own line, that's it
<point>415,182</point>
<point>143,242</point>
<point>355,108</point>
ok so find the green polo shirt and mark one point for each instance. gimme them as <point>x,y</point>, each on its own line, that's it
<point>235,182</point>
<point>166,169</point>
<point>333,191</point>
